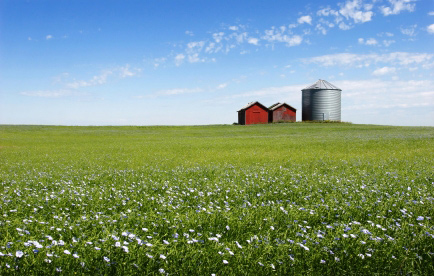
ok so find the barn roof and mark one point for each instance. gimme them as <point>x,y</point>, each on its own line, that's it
<point>252,104</point>
<point>277,105</point>
<point>322,85</point>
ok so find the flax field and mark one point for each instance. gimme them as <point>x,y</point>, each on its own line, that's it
<point>277,199</point>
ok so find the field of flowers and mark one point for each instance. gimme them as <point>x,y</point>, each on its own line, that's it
<point>284,199</point>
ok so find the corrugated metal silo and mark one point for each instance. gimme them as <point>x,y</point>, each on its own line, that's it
<point>321,101</point>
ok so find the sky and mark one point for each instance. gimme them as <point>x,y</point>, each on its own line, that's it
<point>197,62</point>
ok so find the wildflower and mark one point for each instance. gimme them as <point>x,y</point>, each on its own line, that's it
<point>261,264</point>
<point>304,247</point>
<point>75,255</point>
<point>161,270</point>
<point>165,242</point>
<point>366,231</point>
<point>106,259</point>
<point>118,244</point>
<point>420,218</point>
<point>67,252</point>
<point>58,269</point>
<point>149,256</point>
<point>322,262</point>
<point>125,249</point>
<point>225,262</point>
<point>48,261</point>
<point>19,254</point>
<point>227,227</point>
<point>162,257</point>
<point>272,227</point>
<point>272,266</point>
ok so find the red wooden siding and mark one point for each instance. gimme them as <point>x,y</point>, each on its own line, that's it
<point>283,113</point>
<point>256,115</point>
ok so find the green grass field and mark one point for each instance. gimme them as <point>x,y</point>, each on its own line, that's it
<point>284,199</point>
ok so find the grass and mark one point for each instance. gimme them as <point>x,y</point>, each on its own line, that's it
<point>286,199</point>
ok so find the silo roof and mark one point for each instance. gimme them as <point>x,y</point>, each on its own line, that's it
<point>322,85</point>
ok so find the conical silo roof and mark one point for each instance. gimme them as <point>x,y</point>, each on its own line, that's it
<point>322,85</point>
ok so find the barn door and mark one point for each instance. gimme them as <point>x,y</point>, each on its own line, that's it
<point>256,116</point>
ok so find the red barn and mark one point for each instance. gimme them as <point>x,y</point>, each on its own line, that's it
<point>253,113</point>
<point>282,112</point>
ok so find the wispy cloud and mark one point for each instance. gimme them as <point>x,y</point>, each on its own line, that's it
<point>343,15</point>
<point>356,11</point>
<point>410,30</point>
<point>305,19</point>
<point>430,29</point>
<point>384,71</point>
<point>102,78</point>
<point>369,41</point>
<point>397,6</point>
<point>178,91</point>
<point>48,93</point>
<point>48,37</point>
<point>348,59</point>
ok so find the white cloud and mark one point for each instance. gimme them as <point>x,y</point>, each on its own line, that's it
<point>348,59</point>
<point>305,19</point>
<point>218,36</point>
<point>179,59</point>
<point>356,11</point>
<point>119,72</point>
<point>369,41</point>
<point>277,35</point>
<point>159,61</point>
<point>410,30</point>
<point>178,91</point>
<point>189,33</point>
<point>253,40</point>
<point>222,86</point>
<point>431,13</point>
<point>47,93</point>
<point>430,29</point>
<point>387,43</point>
<point>397,6</point>
<point>96,80</point>
<point>126,72</point>
<point>48,37</point>
<point>384,71</point>
<point>233,28</point>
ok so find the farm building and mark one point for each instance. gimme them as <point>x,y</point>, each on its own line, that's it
<point>253,113</point>
<point>321,101</point>
<point>281,112</point>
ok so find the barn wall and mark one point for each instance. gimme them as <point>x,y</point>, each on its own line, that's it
<point>284,114</point>
<point>256,115</point>
<point>242,117</point>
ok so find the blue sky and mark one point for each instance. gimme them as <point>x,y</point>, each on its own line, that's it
<point>198,62</point>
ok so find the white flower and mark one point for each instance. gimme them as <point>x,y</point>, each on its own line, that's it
<point>118,244</point>
<point>225,262</point>
<point>162,256</point>
<point>19,254</point>
<point>161,270</point>
<point>75,255</point>
<point>106,259</point>
<point>322,262</point>
<point>420,218</point>
<point>66,252</point>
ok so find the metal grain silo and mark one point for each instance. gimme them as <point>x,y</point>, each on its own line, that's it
<point>321,101</point>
